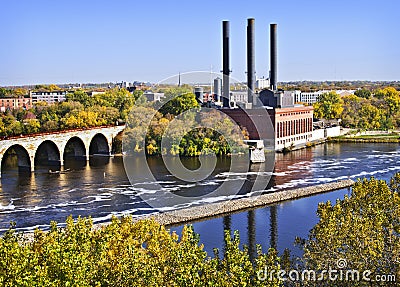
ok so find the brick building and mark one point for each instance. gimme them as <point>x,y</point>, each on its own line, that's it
<point>11,103</point>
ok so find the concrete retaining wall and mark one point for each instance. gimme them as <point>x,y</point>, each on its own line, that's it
<point>333,131</point>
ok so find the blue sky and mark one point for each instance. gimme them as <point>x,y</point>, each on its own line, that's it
<point>101,41</point>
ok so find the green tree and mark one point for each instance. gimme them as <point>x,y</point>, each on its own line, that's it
<point>178,100</point>
<point>363,93</point>
<point>80,96</point>
<point>2,128</point>
<point>5,93</point>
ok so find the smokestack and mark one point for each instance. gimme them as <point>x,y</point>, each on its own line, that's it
<point>217,89</point>
<point>274,57</point>
<point>225,63</point>
<point>250,59</point>
<point>198,91</point>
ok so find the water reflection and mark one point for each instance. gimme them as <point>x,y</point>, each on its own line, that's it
<point>273,227</point>
<point>251,234</point>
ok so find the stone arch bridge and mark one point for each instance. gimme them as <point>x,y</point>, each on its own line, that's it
<point>55,147</point>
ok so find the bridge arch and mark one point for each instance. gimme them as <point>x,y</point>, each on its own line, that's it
<point>75,148</point>
<point>116,146</point>
<point>16,155</point>
<point>52,146</point>
<point>99,144</point>
<point>47,153</point>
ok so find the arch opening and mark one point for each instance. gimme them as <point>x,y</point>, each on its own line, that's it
<point>75,149</point>
<point>117,143</point>
<point>99,145</point>
<point>47,154</point>
<point>16,158</point>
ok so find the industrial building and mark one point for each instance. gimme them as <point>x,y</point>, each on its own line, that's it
<point>292,123</point>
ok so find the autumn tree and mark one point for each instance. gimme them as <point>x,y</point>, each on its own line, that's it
<point>363,229</point>
<point>127,253</point>
<point>329,106</point>
<point>31,126</point>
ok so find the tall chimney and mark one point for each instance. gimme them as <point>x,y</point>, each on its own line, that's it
<point>250,59</point>
<point>225,63</point>
<point>274,57</point>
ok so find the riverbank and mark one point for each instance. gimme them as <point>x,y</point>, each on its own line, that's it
<point>197,213</point>
<point>368,138</point>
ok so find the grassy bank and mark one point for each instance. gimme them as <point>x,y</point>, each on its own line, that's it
<point>368,138</point>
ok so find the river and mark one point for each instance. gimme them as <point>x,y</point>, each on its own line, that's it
<point>100,189</point>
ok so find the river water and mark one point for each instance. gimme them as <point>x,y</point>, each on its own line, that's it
<point>100,189</point>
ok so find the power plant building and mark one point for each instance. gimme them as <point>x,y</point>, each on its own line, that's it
<point>293,123</point>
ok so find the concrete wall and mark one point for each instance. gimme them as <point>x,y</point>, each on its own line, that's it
<point>333,131</point>
<point>318,135</point>
<point>321,134</point>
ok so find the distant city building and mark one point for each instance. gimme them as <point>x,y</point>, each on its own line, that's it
<point>262,83</point>
<point>153,97</point>
<point>237,97</point>
<point>15,103</point>
<point>309,97</point>
<point>48,97</point>
<point>343,93</point>
<point>313,97</point>
<point>207,97</point>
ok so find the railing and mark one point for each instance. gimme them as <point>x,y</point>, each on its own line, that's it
<point>56,132</point>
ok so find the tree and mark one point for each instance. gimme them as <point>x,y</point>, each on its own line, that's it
<point>49,126</point>
<point>330,106</point>
<point>351,106</point>
<point>178,103</point>
<point>363,229</point>
<point>127,253</point>
<point>5,93</point>
<point>31,126</point>
<point>392,100</point>
<point>80,96</point>
<point>363,93</point>
<point>2,128</point>
<point>386,92</point>
<point>14,128</point>
<point>137,127</point>
<point>53,87</point>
